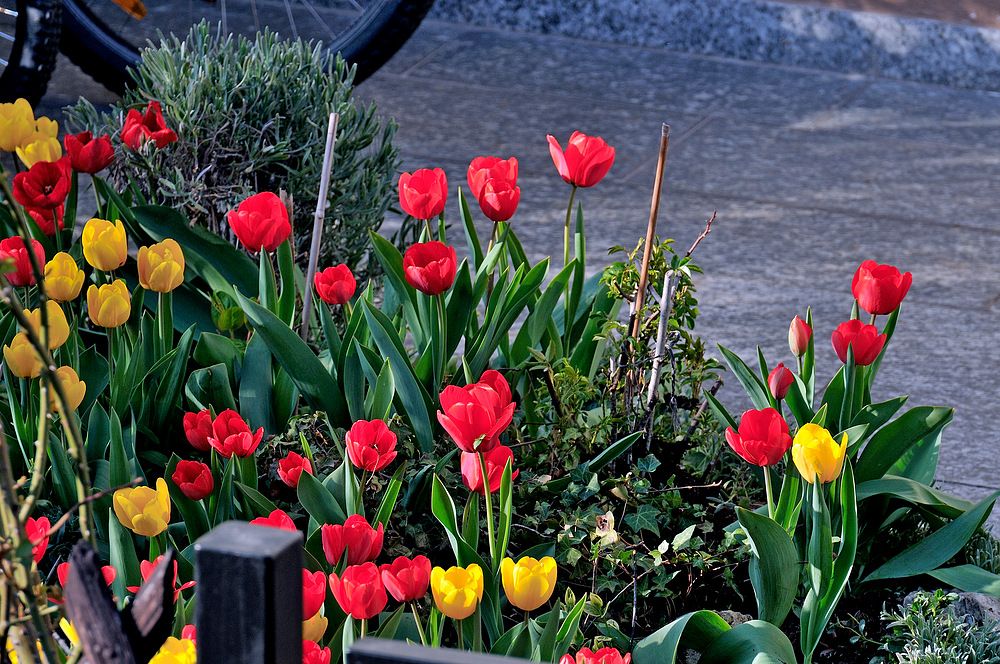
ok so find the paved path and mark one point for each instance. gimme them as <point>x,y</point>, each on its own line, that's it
<point>811,173</point>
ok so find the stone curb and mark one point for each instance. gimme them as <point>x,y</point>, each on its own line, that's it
<point>836,40</point>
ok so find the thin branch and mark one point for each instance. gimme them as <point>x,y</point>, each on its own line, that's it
<point>708,229</point>
<point>89,499</point>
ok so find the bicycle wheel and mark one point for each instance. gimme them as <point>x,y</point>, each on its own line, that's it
<point>104,39</point>
<point>29,41</point>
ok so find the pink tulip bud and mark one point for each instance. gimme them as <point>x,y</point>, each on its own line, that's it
<point>779,380</point>
<point>799,334</point>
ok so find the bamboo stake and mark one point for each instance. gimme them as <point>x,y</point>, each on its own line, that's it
<point>317,236</point>
<point>654,211</point>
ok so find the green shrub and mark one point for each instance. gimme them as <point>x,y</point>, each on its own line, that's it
<point>252,116</point>
<point>926,632</point>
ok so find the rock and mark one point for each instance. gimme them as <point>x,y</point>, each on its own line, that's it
<point>976,608</point>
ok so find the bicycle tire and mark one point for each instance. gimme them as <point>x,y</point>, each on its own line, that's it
<point>33,54</point>
<point>369,42</point>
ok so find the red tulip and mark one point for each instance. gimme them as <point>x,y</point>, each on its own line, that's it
<point>430,267</point>
<point>194,479</point>
<point>763,437</point>
<point>485,168</point>
<point>586,160</point>
<point>47,219</point>
<point>231,435</point>
<point>496,461</point>
<point>864,339</point>
<point>313,653</point>
<point>475,415</point>
<point>405,579</point>
<point>107,571</point>
<point>260,221</point>
<point>335,285</point>
<point>602,656</point>
<point>276,519</point>
<point>44,185</point>
<point>359,591</point>
<point>313,593</point>
<point>423,194</point>
<point>799,334</point>
<point>13,249</point>
<point>879,288</point>
<point>198,429</point>
<point>38,535</point>
<point>779,380</point>
<point>88,154</point>
<point>290,468</point>
<point>190,633</point>
<point>139,128</point>
<point>361,541</point>
<point>499,199</point>
<point>146,569</point>
<point>370,445</point>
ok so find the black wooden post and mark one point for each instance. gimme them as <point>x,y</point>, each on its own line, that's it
<point>386,651</point>
<point>249,603</point>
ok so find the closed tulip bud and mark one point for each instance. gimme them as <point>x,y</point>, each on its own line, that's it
<point>586,160</point>
<point>602,656</point>
<point>359,591</point>
<point>879,289</point>
<point>779,380</point>
<point>407,580</point>
<point>198,429</point>
<point>21,358</point>
<point>194,479</point>
<point>260,221</point>
<point>40,148</point>
<point>763,437</point>
<point>496,460</point>
<point>63,278</point>
<point>313,593</point>
<point>139,128</point>
<point>17,124</point>
<point>356,536</point>
<point>864,339</point>
<point>475,415</point>
<point>457,590</point>
<point>276,519</point>
<point>335,285</point>
<point>232,436</point>
<point>313,653</point>
<point>109,305</point>
<point>430,267</point>
<point>161,266</point>
<point>143,510</point>
<point>817,455</point>
<point>314,628</point>
<point>290,468</point>
<point>799,334</point>
<point>88,154</point>
<point>58,325</point>
<point>499,199</point>
<point>528,583</point>
<point>423,193</point>
<point>44,185</point>
<point>74,389</point>
<point>370,445</point>
<point>13,249</point>
<point>486,168</point>
<point>105,245</point>
<point>38,535</point>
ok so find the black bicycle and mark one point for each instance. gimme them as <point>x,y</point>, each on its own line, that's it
<point>103,37</point>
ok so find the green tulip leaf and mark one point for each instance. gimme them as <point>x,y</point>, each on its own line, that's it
<point>774,568</point>
<point>751,383</point>
<point>696,630</point>
<point>968,578</point>
<point>318,501</point>
<point>122,557</point>
<point>753,642</point>
<point>915,493</point>
<point>390,496</point>
<point>894,440</point>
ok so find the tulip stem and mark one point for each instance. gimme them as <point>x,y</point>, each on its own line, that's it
<point>489,509</point>
<point>569,215</point>
<point>361,492</point>
<point>873,319</point>
<point>430,233</point>
<point>420,627</point>
<point>442,339</point>
<point>364,627</point>
<point>770,493</point>
<point>461,635</point>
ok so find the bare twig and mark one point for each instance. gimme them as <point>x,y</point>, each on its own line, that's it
<point>708,229</point>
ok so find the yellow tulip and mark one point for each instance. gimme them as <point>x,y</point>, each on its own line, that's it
<point>528,582</point>
<point>63,278</point>
<point>70,631</point>
<point>17,124</point>
<point>817,455</point>
<point>21,357</point>
<point>110,305</point>
<point>39,148</point>
<point>175,651</point>
<point>161,266</point>
<point>314,628</point>
<point>74,388</point>
<point>46,127</point>
<point>58,325</point>
<point>105,245</point>
<point>143,510</point>
<point>457,590</point>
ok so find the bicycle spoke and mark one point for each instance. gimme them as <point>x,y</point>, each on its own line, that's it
<point>256,18</point>
<point>291,19</point>
<point>4,35</point>
<point>8,12</point>
<point>3,62</point>
<point>319,19</point>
